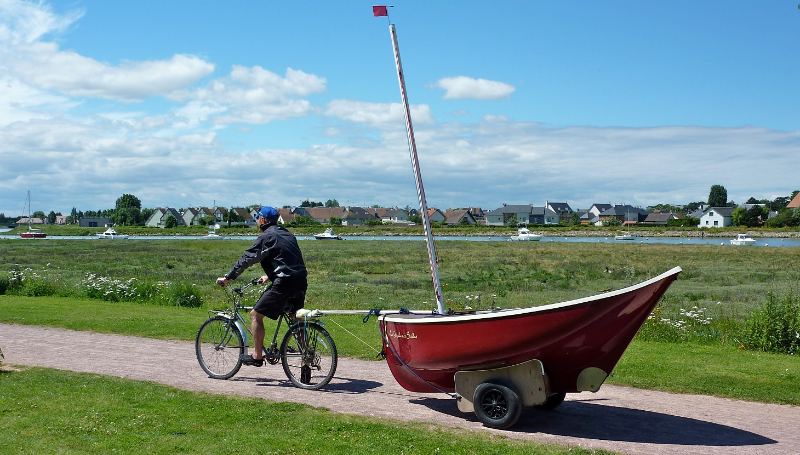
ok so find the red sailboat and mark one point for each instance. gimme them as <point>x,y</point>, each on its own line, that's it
<point>496,362</point>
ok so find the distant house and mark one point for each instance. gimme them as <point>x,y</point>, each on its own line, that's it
<point>102,221</point>
<point>794,203</point>
<point>349,216</point>
<point>563,210</point>
<point>625,214</point>
<point>478,214</point>
<point>661,219</point>
<point>458,216</point>
<point>389,215</point>
<point>436,216</point>
<point>245,215</point>
<point>26,220</point>
<point>192,217</point>
<point>597,209</point>
<point>503,215</point>
<point>716,217</point>
<point>324,214</point>
<point>543,215</point>
<point>286,215</point>
<point>61,219</point>
<point>159,217</point>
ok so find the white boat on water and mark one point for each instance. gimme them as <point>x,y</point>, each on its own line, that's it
<point>625,236</point>
<point>212,235</point>
<point>110,233</point>
<point>743,239</point>
<point>525,234</point>
<point>328,235</point>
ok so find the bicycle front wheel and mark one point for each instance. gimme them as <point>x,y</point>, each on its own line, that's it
<point>309,356</point>
<point>219,346</point>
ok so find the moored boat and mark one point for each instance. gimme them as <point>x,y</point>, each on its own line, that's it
<point>625,236</point>
<point>328,235</point>
<point>32,232</point>
<point>743,240</point>
<point>525,234</point>
<point>110,233</point>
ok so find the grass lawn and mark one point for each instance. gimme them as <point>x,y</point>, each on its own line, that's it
<point>52,411</point>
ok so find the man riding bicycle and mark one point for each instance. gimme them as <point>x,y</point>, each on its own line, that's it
<point>279,254</point>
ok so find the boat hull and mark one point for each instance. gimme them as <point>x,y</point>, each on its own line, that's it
<point>569,338</point>
<point>33,235</point>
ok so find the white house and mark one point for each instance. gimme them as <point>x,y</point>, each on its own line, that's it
<point>716,217</point>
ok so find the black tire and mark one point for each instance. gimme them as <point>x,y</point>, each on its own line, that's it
<point>309,356</point>
<point>496,406</point>
<point>553,401</point>
<point>219,347</point>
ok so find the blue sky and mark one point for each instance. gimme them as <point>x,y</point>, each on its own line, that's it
<point>189,103</point>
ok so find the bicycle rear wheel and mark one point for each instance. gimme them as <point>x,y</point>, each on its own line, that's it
<point>219,346</point>
<point>309,356</point>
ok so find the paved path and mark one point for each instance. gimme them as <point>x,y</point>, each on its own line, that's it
<point>616,418</point>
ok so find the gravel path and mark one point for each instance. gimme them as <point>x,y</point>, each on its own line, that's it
<point>616,418</point>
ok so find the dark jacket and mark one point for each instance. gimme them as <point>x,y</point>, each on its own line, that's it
<point>277,251</point>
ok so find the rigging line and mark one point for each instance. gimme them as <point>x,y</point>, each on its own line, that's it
<point>353,334</point>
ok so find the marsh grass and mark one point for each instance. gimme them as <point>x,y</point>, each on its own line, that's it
<point>725,284</point>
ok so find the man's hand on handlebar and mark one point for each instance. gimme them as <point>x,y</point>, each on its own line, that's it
<point>222,281</point>
<point>263,280</point>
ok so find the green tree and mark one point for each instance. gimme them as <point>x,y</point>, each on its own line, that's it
<point>331,203</point>
<point>170,222</point>
<point>753,217</point>
<point>335,221</point>
<point>51,217</point>
<point>38,214</point>
<point>308,203</point>
<point>718,197</point>
<point>232,217</point>
<point>574,219</point>
<point>127,211</point>
<point>737,216</point>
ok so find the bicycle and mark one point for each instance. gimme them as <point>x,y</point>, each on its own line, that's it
<point>307,351</point>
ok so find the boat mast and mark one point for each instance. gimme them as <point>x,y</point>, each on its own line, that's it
<point>426,222</point>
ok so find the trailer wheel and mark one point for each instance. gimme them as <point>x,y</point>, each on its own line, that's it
<point>496,406</point>
<point>553,401</point>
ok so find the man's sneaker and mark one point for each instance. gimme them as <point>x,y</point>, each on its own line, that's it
<point>249,360</point>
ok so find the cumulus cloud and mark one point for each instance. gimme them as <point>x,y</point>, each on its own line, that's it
<point>256,95</point>
<point>44,66</point>
<point>467,88</point>
<point>378,115</point>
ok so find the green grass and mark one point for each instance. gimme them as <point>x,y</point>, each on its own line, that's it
<point>50,411</point>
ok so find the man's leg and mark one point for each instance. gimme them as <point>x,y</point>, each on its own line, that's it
<point>257,325</point>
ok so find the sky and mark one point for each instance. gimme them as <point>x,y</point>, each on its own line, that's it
<point>201,103</point>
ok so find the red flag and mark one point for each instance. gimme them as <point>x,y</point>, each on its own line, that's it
<point>379,11</point>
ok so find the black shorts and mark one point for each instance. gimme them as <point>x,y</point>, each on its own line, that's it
<point>283,291</point>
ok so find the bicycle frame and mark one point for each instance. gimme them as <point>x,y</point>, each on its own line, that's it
<point>233,314</point>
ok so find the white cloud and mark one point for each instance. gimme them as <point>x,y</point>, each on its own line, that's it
<point>378,115</point>
<point>467,88</point>
<point>256,95</point>
<point>43,65</point>
<point>24,22</point>
<point>483,164</point>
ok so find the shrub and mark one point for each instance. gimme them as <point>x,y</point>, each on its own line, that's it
<point>774,326</point>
